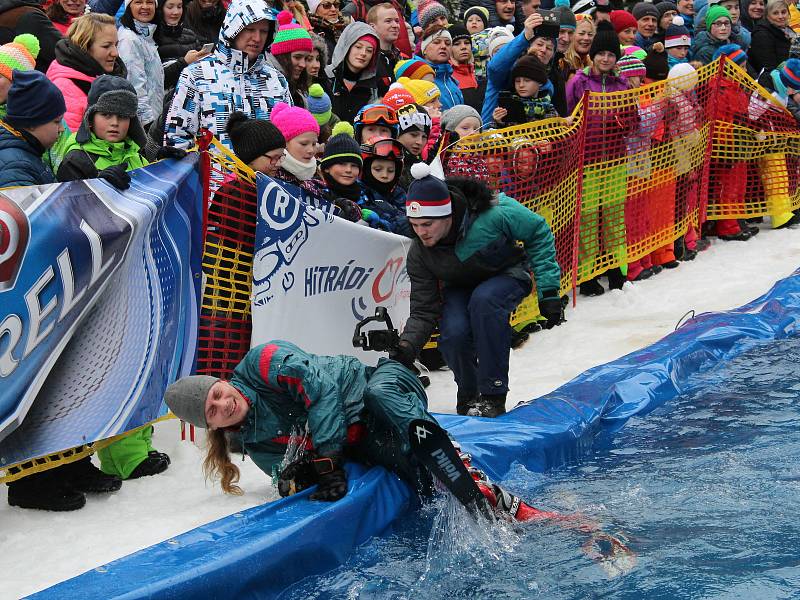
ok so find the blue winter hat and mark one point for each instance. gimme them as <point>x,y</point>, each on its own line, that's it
<point>790,74</point>
<point>733,51</point>
<point>428,196</point>
<point>319,104</point>
<point>33,100</point>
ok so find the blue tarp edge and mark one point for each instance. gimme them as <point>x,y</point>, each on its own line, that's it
<point>261,551</point>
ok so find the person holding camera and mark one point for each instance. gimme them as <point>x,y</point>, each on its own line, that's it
<point>474,260</point>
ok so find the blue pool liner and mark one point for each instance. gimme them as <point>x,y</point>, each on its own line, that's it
<point>261,551</point>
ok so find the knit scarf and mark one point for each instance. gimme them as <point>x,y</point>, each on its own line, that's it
<point>350,192</point>
<point>672,61</point>
<point>302,170</point>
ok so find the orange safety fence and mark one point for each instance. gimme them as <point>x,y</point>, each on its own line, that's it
<point>632,176</point>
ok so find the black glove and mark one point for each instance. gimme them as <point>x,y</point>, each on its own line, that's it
<point>550,308</point>
<point>404,354</point>
<point>116,176</point>
<point>170,152</point>
<point>332,479</point>
<point>297,476</point>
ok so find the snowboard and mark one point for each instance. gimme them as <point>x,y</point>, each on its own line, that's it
<point>432,446</point>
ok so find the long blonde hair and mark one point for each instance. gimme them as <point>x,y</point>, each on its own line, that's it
<point>575,61</point>
<point>217,463</point>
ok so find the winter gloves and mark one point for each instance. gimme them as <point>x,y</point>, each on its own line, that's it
<point>325,471</point>
<point>332,484</point>
<point>404,354</point>
<point>116,176</point>
<point>550,308</point>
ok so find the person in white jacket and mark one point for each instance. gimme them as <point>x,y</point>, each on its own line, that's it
<point>138,51</point>
<point>235,77</point>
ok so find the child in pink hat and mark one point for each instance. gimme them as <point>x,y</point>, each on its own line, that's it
<point>301,131</point>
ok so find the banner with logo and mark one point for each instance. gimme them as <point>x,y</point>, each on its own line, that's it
<point>98,305</point>
<point>315,275</point>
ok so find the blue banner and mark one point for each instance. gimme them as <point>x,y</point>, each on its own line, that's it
<point>99,293</point>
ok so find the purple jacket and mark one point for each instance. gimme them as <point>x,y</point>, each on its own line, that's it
<point>606,125</point>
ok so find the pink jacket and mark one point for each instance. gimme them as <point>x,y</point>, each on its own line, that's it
<point>74,97</point>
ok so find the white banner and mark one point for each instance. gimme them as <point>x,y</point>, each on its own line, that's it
<point>315,275</point>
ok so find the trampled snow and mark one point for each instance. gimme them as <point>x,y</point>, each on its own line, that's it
<point>43,548</point>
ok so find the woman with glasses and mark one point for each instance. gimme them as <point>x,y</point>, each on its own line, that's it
<point>326,21</point>
<point>772,39</point>
<point>719,27</point>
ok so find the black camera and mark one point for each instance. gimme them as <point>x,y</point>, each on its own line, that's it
<point>379,340</point>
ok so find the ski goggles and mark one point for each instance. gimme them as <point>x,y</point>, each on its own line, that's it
<point>386,148</point>
<point>373,115</point>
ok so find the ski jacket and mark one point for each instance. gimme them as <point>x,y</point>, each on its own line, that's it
<point>20,160</point>
<point>704,46</point>
<point>73,72</point>
<point>448,86</point>
<point>481,244</point>
<point>68,81</point>
<point>605,128</point>
<point>85,161</point>
<point>139,52</point>
<point>210,89</point>
<point>498,73</point>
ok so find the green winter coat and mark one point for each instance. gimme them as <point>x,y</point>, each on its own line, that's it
<point>486,243</point>
<point>290,390</point>
<point>85,161</point>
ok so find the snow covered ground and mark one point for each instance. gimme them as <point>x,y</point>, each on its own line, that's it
<point>40,549</point>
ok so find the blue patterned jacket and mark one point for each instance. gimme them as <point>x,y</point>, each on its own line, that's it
<point>209,90</point>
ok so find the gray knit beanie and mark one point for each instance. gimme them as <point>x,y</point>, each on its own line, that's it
<point>453,116</point>
<point>186,398</point>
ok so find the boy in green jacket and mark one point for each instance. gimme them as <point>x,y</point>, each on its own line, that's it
<point>110,139</point>
<point>107,144</point>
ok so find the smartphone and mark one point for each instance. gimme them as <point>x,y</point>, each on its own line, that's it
<point>207,48</point>
<point>551,25</point>
<point>516,111</point>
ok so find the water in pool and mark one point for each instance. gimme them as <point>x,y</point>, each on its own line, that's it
<point>706,490</point>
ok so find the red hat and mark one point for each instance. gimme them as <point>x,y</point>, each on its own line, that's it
<point>622,19</point>
<point>397,96</point>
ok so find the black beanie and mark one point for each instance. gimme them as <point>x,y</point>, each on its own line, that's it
<point>341,147</point>
<point>458,31</point>
<point>605,40</point>
<point>531,67</point>
<point>252,138</point>
<point>657,65</point>
<point>33,100</point>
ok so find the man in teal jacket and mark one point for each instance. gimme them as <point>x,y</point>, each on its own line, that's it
<point>473,262</point>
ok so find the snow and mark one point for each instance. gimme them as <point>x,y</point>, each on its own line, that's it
<point>42,548</point>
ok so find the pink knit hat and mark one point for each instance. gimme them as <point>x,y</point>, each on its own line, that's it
<point>290,37</point>
<point>293,121</point>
